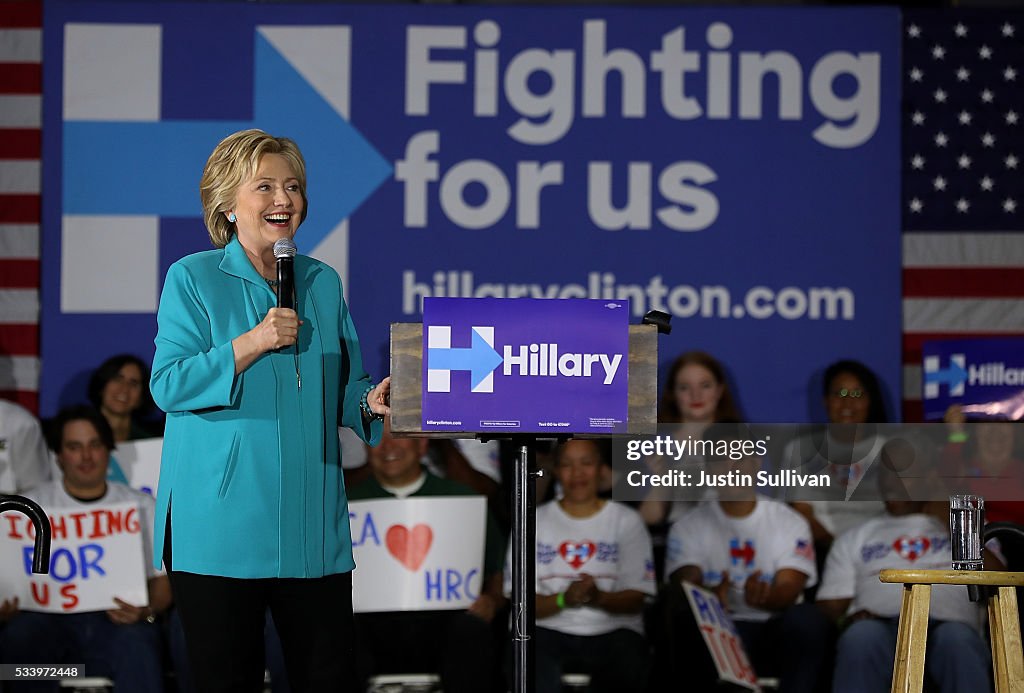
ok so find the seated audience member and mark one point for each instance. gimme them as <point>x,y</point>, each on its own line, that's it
<point>122,643</point>
<point>457,644</point>
<point>757,556</point>
<point>696,395</point>
<point>473,463</point>
<point>912,534</point>
<point>594,573</point>
<point>24,462</point>
<point>847,450</point>
<point>986,459</point>
<point>119,389</point>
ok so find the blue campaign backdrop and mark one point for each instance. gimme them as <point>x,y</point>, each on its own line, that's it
<point>738,168</point>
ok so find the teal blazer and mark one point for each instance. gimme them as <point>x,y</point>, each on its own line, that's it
<point>251,469</point>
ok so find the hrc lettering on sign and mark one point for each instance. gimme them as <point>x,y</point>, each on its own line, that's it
<point>450,585</point>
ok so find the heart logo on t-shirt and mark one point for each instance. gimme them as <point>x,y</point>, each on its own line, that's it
<point>911,548</point>
<point>410,547</point>
<point>576,553</point>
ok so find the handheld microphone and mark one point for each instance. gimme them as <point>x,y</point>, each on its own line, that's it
<point>284,251</point>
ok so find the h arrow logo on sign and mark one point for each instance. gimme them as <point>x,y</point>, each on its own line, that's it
<point>480,359</point>
<point>955,377</point>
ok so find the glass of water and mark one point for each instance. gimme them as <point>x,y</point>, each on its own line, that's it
<point>966,519</point>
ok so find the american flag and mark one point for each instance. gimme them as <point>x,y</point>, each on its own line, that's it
<point>963,181</point>
<point>20,120</point>
<point>804,548</point>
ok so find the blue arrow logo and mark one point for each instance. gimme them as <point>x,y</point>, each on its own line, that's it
<point>154,168</point>
<point>952,376</point>
<point>480,359</point>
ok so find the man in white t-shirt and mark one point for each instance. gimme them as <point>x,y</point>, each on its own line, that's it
<point>907,536</point>
<point>122,643</point>
<point>757,555</point>
<point>24,462</point>
<point>594,572</point>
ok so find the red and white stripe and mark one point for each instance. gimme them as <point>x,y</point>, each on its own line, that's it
<point>957,286</point>
<point>20,121</point>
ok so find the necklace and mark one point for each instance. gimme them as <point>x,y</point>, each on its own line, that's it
<point>271,282</point>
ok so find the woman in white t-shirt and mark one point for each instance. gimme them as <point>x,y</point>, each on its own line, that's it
<point>696,395</point>
<point>594,573</point>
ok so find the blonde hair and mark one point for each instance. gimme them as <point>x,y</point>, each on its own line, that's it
<point>234,161</point>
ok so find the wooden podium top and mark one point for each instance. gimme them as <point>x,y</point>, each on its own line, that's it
<point>407,383</point>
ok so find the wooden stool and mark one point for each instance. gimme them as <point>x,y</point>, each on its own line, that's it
<point>1007,658</point>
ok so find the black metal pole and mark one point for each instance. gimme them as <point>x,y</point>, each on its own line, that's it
<point>524,568</point>
<point>41,524</point>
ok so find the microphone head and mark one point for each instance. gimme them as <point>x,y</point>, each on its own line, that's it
<point>284,247</point>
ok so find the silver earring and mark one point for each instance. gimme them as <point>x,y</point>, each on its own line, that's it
<point>232,218</point>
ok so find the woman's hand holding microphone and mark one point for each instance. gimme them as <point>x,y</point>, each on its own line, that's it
<point>279,328</point>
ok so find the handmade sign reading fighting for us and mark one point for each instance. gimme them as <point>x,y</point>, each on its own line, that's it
<point>417,554</point>
<point>96,554</point>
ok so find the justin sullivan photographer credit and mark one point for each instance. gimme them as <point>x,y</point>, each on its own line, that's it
<point>720,456</point>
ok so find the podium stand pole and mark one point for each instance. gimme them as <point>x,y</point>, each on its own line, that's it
<point>524,550</point>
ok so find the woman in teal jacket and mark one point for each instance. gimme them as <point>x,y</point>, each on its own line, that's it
<point>251,507</point>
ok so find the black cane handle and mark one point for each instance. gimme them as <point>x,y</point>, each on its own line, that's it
<point>29,508</point>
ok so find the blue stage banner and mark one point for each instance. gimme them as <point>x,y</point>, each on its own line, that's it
<point>528,365</point>
<point>737,168</point>
<point>985,377</point>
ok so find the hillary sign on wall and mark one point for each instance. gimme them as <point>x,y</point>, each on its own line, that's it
<point>528,365</point>
<point>984,377</point>
<point>737,168</point>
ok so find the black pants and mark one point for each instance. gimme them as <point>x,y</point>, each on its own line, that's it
<point>224,618</point>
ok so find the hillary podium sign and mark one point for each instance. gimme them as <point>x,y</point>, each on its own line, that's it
<point>525,365</point>
<point>735,167</point>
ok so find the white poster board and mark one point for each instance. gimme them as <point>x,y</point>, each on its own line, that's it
<point>721,638</point>
<point>139,460</point>
<point>417,554</point>
<point>96,554</point>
